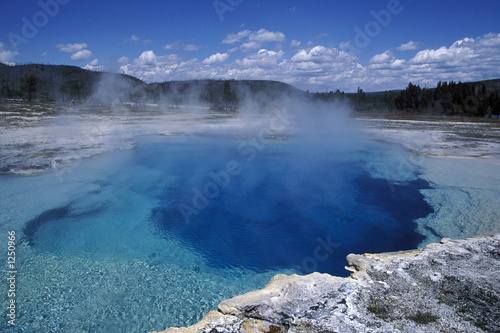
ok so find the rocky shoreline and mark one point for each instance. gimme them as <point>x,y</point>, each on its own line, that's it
<point>451,286</point>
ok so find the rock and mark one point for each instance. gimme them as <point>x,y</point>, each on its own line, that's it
<point>213,322</point>
<point>449,286</point>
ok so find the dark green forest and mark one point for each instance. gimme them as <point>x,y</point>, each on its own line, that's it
<point>75,85</point>
<point>470,99</point>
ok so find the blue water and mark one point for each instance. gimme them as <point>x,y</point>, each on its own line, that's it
<point>221,214</point>
<point>285,208</point>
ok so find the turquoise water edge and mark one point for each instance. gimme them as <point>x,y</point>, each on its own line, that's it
<point>154,237</point>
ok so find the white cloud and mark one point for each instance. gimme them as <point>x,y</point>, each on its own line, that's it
<point>253,40</point>
<point>133,38</point>
<point>410,46</point>
<point>265,36</point>
<point>320,54</point>
<point>263,59</point>
<point>235,38</point>
<point>94,66</point>
<point>123,60</point>
<point>457,53</point>
<point>6,56</point>
<point>386,61</point>
<point>250,46</point>
<point>170,46</point>
<point>216,58</point>
<point>295,43</point>
<point>181,46</point>
<point>191,47</point>
<point>345,45</point>
<point>321,35</point>
<point>382,58</point>
<point>468,59</point>
<point>491,40</point>
<point>318,67</point>
<point>81,55</point>
<point>153,68</point>
<point>71,48</point>
<point>147,58</point>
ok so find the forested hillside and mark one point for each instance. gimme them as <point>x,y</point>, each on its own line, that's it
<point>61,83</point>
<point>472,99</point>
<point>68,83</point>
<point>76,85</point>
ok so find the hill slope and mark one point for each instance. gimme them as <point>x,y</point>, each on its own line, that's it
<point>64,83</point>
<point>60,82</point>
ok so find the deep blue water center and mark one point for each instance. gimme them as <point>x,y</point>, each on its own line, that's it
<point>265,206</point>
<point>202,218</point>
<point>279,205</point>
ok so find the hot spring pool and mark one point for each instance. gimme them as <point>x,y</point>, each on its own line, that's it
<point>157,236</point>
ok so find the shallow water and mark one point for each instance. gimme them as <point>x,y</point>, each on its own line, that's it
<point>157,236</point>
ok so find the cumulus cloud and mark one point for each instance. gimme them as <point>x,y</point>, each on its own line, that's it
<point>468,59</point>
<point>386,61</point>
<point>6,56</point>
<point>94,66</point>
<point>460,52</point>
<point>318,67</point>
<point>147,58</point>
<point>253,40</point>
<point>382,58</point>
<point>295,43</point>
<point>123,60</point>
<point>410,46</point>
<point>263,58</point>
<point>81,55</point>
<point>235,38</point>
<point>71,48</point>
<point>216,58</point>
<point>153,68</point>
<point>265,36</point>
<point>321,54</point>
<point>78,49</point>
<point>249,46</point>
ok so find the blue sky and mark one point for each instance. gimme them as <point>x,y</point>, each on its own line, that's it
<point>315,45</point>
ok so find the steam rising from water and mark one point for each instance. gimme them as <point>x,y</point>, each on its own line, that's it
<point>208,204</point>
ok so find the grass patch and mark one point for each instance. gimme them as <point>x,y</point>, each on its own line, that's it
<point>424,318</point>
<point>379,311</point>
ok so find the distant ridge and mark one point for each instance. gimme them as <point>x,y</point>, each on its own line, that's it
<point>57,82</point>
<point>77,85</point>
<point>66,83</point>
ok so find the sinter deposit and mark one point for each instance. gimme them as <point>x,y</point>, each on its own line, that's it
<point>453,286</point>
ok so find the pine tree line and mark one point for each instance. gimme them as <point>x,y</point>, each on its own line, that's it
<point>451,98</point>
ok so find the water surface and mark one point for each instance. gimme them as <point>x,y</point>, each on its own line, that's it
<point>157,236</point>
